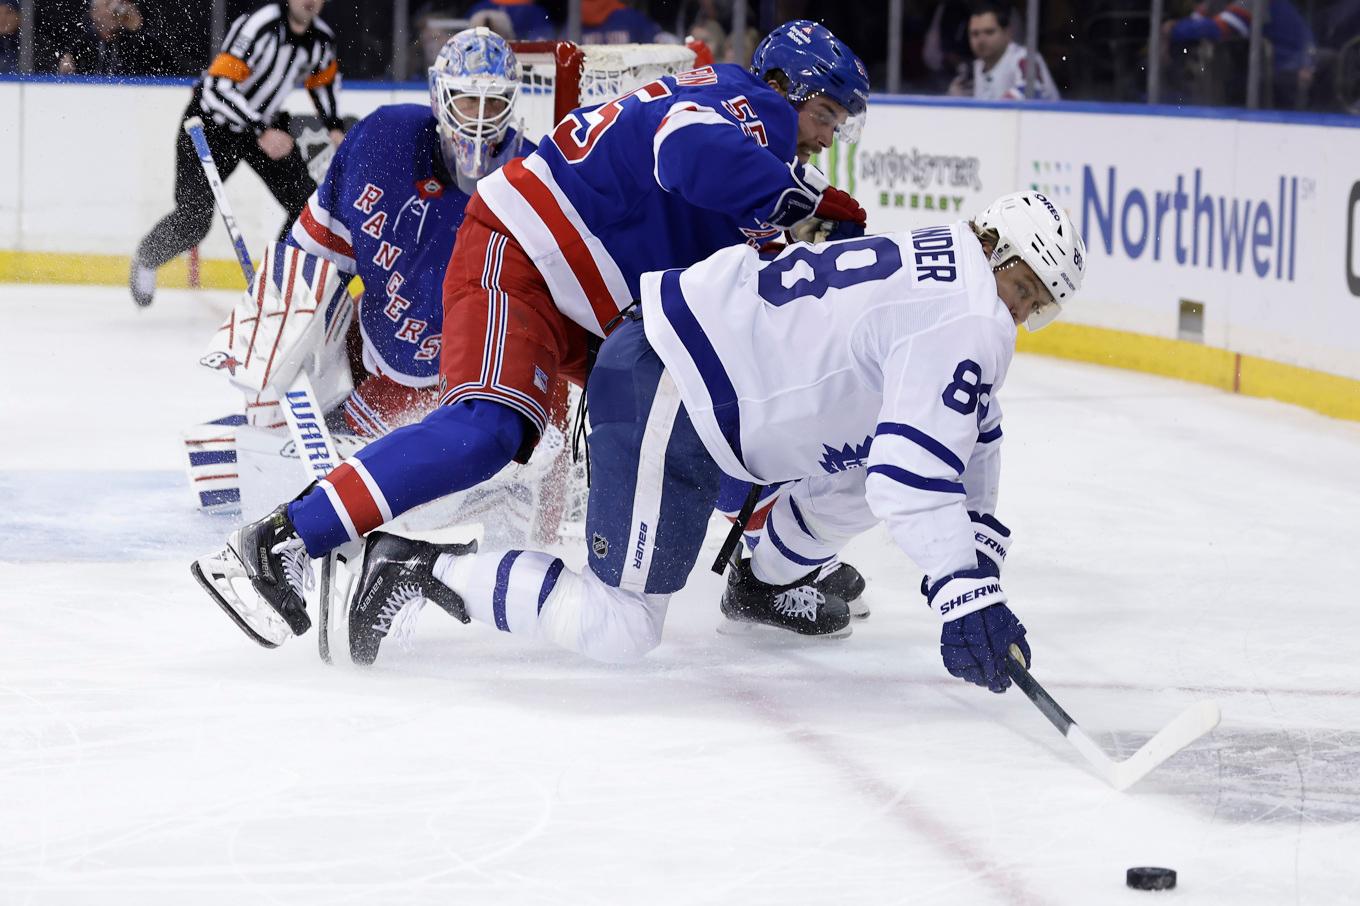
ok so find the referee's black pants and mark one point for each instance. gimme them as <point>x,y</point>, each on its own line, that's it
<point>188,224</point>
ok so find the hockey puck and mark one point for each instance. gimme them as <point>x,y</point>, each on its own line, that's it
<point>1150,878</point>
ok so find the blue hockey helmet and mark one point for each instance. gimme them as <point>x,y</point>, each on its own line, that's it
<point>474,83</point>
<point>817,62</point>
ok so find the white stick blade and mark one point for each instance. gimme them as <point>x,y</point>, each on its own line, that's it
<point>1190,725</point>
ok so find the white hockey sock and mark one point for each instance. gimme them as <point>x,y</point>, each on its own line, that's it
<point>505,589</point>
<point>528,592</point>
<point>789,549</point>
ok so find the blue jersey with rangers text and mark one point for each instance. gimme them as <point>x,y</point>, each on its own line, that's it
<point>658,178</point>
<point>388,212</point>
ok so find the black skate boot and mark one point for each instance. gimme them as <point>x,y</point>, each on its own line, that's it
<point>799,607</point>
<point>396,580</point>
<point>843,581</point>
<point>270,554</point>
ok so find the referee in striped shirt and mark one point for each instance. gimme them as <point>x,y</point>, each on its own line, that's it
<point>265,54</point>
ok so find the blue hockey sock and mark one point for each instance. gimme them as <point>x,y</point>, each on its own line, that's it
<point>451,449</point>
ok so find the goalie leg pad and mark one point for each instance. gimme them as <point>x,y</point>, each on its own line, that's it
<point>214,475</point>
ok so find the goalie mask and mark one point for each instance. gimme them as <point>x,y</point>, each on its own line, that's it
<point>473,87</point>
<point>1039,233</point>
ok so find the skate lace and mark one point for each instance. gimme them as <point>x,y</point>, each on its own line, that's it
<point>297,566</point>
<point>801,602</point>
<point>396,619</point>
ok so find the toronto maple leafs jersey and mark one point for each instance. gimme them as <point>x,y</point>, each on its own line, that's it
<point>388,211</point>
<point>660,177</point>
<point>881,352</point>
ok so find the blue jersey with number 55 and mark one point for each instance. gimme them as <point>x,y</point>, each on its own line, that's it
<point>882,353</point>
<point>660,177</point>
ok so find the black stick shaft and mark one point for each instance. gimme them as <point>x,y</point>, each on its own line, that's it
<point>734,536</point>
<point>1037,693</point>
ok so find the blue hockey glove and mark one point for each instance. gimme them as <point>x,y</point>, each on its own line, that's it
<point>979,628</point>
<point>975,647</point>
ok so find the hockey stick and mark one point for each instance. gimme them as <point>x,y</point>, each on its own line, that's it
<point>194,127</point>
<point>738,527</point>
<point>306,422</point>
<point>1190,725</point>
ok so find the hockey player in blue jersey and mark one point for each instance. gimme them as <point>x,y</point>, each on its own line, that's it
<point>387,212</point>
<point>552,248</point>
<point>391,205</point>
<point>888,413</point>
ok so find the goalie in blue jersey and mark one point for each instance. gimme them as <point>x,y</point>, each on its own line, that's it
<point>387,212</point>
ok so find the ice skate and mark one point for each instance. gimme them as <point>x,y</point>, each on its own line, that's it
<point>803,608</point>
<point>269,556</point>
<point>845,582</point>
<point>142,282</point>
<point>396,580</point>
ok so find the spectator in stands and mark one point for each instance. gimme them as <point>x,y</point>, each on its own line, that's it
<point>1001,66</point>
<point>9,36</point>
<point>615,22</point>
<point>527,20</point>
<point>114,41</point>
<point>1291,40</point>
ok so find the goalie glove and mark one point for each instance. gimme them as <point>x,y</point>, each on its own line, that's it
<point>294,316</point>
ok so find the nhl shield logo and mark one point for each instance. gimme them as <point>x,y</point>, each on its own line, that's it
<point>599,546</point>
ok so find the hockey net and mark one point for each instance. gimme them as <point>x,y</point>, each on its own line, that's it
<point>557,77</point>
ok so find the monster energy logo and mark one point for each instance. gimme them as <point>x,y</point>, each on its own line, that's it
<point>838,163</point>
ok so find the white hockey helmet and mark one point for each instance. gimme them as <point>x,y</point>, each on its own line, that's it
<point>1039,233</point>
<point>474,83</point>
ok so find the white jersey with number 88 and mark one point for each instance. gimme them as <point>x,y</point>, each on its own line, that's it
<point>881,352</point>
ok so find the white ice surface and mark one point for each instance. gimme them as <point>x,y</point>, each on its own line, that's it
<point>1173,543</point>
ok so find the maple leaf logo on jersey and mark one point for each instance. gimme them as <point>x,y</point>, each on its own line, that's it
<point>847,457</point>
<point>219,361</point>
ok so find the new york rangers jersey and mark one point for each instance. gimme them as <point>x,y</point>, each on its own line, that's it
<point>660,177</point>
<point>388,212</point>
<point>882,352</point>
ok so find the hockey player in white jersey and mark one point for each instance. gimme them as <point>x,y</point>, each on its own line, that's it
<point>887,412</point>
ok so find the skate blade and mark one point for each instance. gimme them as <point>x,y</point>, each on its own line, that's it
<point>766,632</point>
<point>260,624</point>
